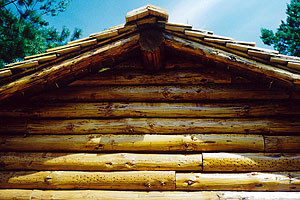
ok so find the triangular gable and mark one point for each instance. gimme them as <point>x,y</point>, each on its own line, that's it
<point>62,65</point>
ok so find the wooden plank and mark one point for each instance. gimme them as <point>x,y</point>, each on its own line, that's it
<point>196,48</point>
<point>9,194</point>
<point>36,82</point>
<point>294,65</point>
<point>139,77</point>
<point>198,34</point>
<point>134,180</point>
<point>5,73</point>
<point>261,54</point>
<point>240,182</point>
<point>134,143</point>
<point>146,11</point>
<point>100,162</point>
<point>105,34</point>
<point>61,48</point>
<point>239,47</point>
<point>224,162</point>
<point>29,64</point>
<point>158,126</point>
<point>282,144</point>
<point>137,109</point>
<point>164,93</point>
<point>67,50</point>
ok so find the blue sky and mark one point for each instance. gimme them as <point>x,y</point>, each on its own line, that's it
<point>240,19</point>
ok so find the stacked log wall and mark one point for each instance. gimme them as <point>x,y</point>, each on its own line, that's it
<point>184,129</point>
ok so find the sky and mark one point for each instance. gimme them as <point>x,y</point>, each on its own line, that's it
<point>239,19</point>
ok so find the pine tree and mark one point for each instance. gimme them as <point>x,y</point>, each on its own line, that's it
<point>24,31</point>
<point>287,38</point>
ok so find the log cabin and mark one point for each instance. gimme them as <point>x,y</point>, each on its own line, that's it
<point>151,110</point>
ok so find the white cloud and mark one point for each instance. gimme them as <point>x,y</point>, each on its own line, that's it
<point>191,11</point>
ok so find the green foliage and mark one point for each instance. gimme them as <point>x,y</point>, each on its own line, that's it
<point>24,32</point>
<point>287,38</point>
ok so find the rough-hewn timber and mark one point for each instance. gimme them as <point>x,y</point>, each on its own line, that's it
<point>278,143</point>
<point>139,77</point>
<point>239,162</point>
<point>153,125</point>
<point>100,162</point>
<point>34,83</point>
<point>198,49</point>
<point>10,194</point>
<point>137,109</point>
<point>134,143</point>
<point>240,182</point>
<point>166,93</point>
<point>134,180</point>
<point>152,49</point>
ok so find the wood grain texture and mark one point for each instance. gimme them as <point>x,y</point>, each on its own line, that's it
<point>152,49</point>
<point>137,109</point>
<point>100,162</point>
<point>154,126</point>
<point>141,180</point>
<point>282,143</point>
<point>134,143</point>
<point>37,81</point>
<point>237,162</point>
<point>9,194</point>
<point>195,48</point>
<point>164,93</point>
<point>240,182</point>
<point>140,77</point>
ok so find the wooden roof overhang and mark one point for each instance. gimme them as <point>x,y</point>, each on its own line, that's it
<point>148,33</point>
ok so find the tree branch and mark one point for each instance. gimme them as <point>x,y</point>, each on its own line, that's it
<point>18,10</point>
<point>8,3</point>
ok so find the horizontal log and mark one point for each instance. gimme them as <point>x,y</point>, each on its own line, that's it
<point>100,162</point>
<point>134,143</point>
<point>135,180</point>
<point>213,162</point>
<point>136,109</point>
<point>189,77</point>
<point>9,194</point>
<point>164,93</point>
<point>152,125</point>
<point>282,143</point>
<point>241,182</point>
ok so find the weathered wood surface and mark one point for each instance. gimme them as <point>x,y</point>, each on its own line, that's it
<point>9,194</point>
<point>213,162</point>
<point>150,180</point>
<point>100,162</point>
<point>137,109</point>
<point>152,49</point>
<point>282,143</point>
<point>133,180</point>
<point>165,93</point>
<point>138,77</point>
<point>134,143</point>
<point>152,125</point>
<point>37,81</point>
<point>198,49</point>
<point>240,182</point>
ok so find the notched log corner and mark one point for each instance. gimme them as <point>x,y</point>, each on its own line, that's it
<point>152,49</point>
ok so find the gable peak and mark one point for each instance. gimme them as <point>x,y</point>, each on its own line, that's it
<point>146,11</point>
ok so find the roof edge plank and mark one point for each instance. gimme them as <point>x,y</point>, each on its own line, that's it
<point>35,82</point>
<point>232,59</point>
